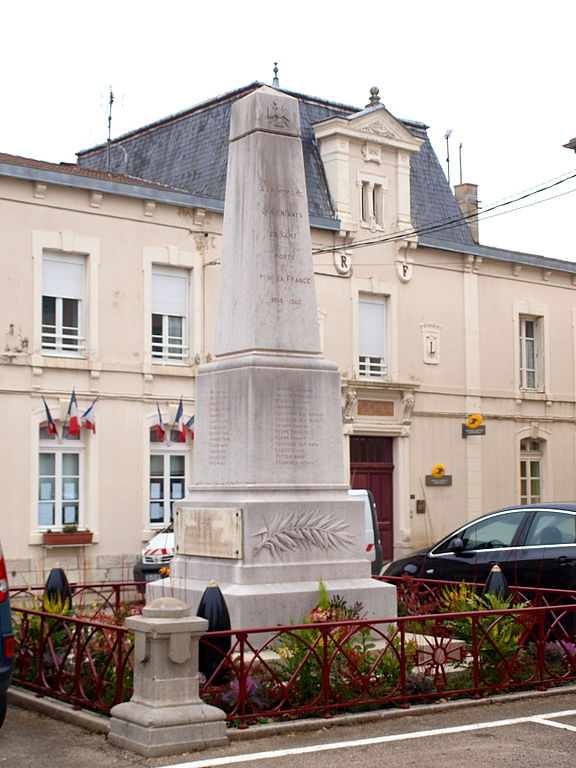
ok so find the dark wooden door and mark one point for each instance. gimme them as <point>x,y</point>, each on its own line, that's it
<point>371,467</point>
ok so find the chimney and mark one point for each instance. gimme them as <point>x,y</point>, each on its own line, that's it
<point>467,199</point>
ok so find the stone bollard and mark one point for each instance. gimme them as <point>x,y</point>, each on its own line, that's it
<point>166,714</point>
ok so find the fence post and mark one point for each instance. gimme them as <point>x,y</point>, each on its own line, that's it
<point>166,714</point>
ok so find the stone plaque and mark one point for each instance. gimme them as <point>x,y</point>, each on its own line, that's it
<point>375,408</point>
<point>209,531</point>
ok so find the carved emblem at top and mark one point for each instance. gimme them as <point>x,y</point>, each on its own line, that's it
<point>380,128</point>
<point>277,115</point>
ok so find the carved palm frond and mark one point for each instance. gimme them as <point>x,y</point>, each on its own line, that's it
<point>303,530</point>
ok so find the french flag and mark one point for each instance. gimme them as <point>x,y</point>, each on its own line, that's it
<point>52,428</point>
<point>73,416</point>
<point>88,418</point>
<point>190,426</point>
<point>160,431</point>
<point>179,426</point>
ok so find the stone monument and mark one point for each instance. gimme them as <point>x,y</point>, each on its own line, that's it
<point>268,515</point>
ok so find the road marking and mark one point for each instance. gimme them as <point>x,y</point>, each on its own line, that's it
<point>544,719</point>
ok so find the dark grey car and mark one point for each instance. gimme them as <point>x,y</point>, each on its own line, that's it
<point>534,545</point>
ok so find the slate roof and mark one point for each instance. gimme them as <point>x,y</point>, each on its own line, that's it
<point>189,151</point>
<point>77,170</point>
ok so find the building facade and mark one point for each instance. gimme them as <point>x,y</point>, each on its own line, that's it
<point>111,279</point>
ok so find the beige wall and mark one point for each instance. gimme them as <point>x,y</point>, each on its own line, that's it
<point>471,305</point>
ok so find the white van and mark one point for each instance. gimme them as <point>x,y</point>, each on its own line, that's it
<point>157,554</point>
<point>372,541</point>
<point>159,551</point>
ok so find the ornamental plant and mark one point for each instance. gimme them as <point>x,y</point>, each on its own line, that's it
<point>497,639</point>
<point>338,663</point>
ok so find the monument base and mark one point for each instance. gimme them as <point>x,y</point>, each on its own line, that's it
<point>268,549</point>
<point>253,606</point>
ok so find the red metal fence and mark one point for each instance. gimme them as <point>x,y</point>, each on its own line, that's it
<point>85,656</point>
<point>322,667</point>
<point>102,599</point>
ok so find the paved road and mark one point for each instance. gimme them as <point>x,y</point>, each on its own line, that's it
<point>537,732</point>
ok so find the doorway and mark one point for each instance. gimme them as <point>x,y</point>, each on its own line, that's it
<point>372,467</point>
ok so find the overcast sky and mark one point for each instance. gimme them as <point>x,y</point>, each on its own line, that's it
<point>499,75</point>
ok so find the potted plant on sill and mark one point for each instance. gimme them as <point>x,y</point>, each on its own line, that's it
<point>69,536</point>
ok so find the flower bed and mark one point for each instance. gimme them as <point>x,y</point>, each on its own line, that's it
<point>334,661</point>
<point>337,661</point>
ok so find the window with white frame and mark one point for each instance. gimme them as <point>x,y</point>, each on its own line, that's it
<point>372,335</point>
<point>531,456</point>
<point>168,469</point>
<point>530,340</point>
<point>62,304</point>
<point>372,204</point>
<point>60,463</point>
<point>170,315</point>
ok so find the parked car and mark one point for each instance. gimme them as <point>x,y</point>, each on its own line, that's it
<point>6,638</point>
<point>534,545</point>
<point>159,551</point>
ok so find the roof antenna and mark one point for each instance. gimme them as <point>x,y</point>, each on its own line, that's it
<point>447,137</point>
<point>275,82</point>
<point>460,159</point>
<point>110,102</point>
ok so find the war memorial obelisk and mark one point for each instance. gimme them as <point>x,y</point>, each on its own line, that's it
<point>268,515</point>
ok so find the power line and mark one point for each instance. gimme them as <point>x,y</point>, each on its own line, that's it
<point>451,221</point>
<point>529,205</point>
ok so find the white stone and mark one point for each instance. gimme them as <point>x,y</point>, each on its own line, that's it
<point>268,442</point>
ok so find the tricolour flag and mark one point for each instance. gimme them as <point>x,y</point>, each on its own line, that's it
<point>179,426</point>
<point>72,416</point>
<point>190,426</point>
<point>160,431</point>
<point>52,428</point>
<point>88,418</point>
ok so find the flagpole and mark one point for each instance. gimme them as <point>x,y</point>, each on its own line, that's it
<point>87,411</point>
<point>52,428</point>
<point>67,414</point>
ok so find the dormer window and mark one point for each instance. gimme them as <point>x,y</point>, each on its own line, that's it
<point>372,205</point>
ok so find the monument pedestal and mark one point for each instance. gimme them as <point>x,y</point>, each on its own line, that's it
<point>268,545</point>
<point>275,546</point>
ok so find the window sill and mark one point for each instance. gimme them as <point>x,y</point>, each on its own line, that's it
<point>375,378</point>
<point>62,361</point>
<point>532,394</point>
<point>160,361</point>
<point>372,227</point>
<point>63,353</point>
<point>173,369</point>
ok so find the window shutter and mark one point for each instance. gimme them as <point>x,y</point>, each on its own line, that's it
<point>63,276</point>
<point>372,326</point>
<point>169,292</point>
